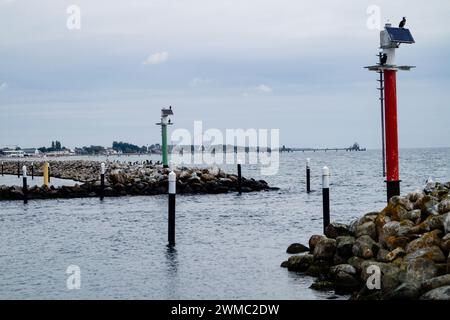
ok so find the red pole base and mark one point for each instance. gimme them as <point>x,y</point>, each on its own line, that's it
<point>393,189</point>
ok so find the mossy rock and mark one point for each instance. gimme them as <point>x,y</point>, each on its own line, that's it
<point>322,285</point>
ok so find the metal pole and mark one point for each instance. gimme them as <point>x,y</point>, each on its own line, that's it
<point>308,176</point>
<point>383,140</point>
<point>18,169</point>
<point>392,169</point>
<point>239,170</point>
<point>164,143</point>
<point>2,168</point>
<point>172,196</point>
<point>32,171</point>
<point>25,185</point>
<point>326,197</point>
<point>102,181</point>
<point>45,173</point>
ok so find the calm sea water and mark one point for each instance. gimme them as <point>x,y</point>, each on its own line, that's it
<point>228,246</point>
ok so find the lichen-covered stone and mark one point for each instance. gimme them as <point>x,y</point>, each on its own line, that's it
<point>334,230</point>
<point>365,247</point>
<point>300,263</point>
<point>419,270</point>
<point>325,249</point>
<point>441,293</point>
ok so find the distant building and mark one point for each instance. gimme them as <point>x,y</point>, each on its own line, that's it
<point>31,152</point>
<point>13,153</point>
<point>112,152</point>
<point>60,153</point>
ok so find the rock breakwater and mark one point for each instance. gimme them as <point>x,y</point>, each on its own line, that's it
<point>401,252</point>
<point>126,179</point>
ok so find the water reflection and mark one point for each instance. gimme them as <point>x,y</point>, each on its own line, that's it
<point>172,282</point>
<point>171,260</point>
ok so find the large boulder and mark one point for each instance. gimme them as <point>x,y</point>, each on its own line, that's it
<point>412,215</point>
<point>344,277</point>
<point>445,244</point>
<point>346,268</point>
<point>367,228</point>
<point>436,282</point>
<point>389,229</point>
<point>184,175</point>
<point>415,195</point>
<point>426,240</point>
<point>118,177</point>
<point>356,262</point>
<point>442,293</point>
<point>444,207</point>
<point>419,270</point>
<point>390,274</point>
<point>405,291</point>
<point>365,247</point>
<point>431,223</point>
<point>300,263</point>
<point>344,246</point>
<point>297,248</point>
<point>334,230</point>
<point>314,240</point>
<point>398,206</point>
<point>447,224</point>
<point>427,205</point>
<point>433,253</point>
<point>368,217</point>
<point>319,268</point>
<point>207,177</point>
<point>394,242</point>
<point>325,249</point>
<point>380,220</point>
<point>448,263</point>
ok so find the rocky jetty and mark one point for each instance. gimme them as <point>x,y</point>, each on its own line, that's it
<point>126,179</point>
<point>401,252</point>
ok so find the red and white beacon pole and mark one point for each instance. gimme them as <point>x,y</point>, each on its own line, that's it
<point>390,39</point>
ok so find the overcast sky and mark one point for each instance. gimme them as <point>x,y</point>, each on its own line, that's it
<point>287,64</point>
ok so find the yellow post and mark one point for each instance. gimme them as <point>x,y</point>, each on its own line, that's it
<point>45,170</point>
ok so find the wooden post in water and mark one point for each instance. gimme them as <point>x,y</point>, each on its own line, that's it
<point>326,197</point>
<point>32,171</point>
<point>25,185</point>
<point>102,181</point>
<point>18,169</point>
<point>45,173</point>
<point>308,175</point>
<point>239,178</point>
<point>2,168</point>
<point>172,196</point>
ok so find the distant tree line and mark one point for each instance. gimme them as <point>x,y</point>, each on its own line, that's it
<point>95,150</point>
<point>56,146</point>
<point>125,147</point>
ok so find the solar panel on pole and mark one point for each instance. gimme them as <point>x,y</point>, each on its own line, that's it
<point>400,35</point>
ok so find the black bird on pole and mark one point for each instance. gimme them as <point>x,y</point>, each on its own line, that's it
<point>402,23</point>
<point>383,59</point>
